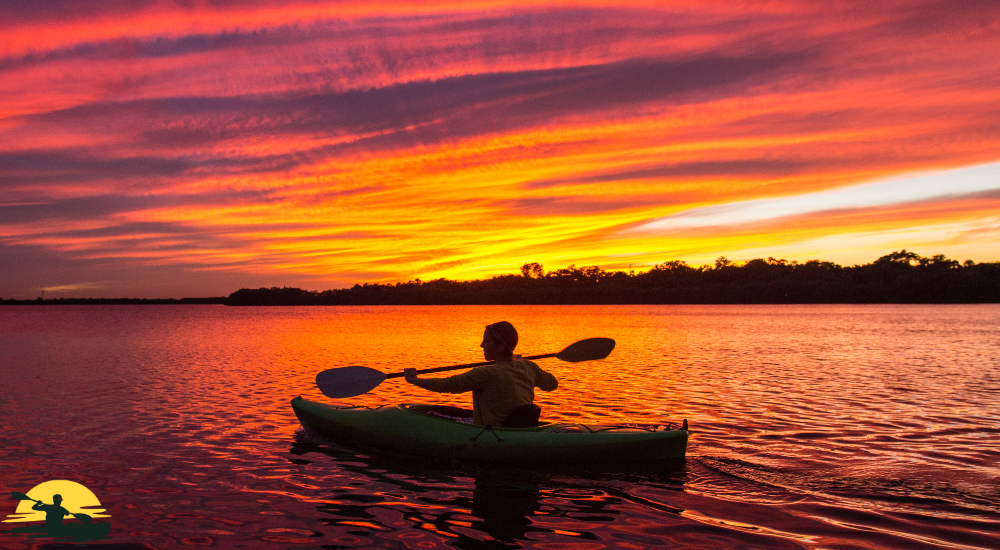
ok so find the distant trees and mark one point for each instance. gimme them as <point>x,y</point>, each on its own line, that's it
<point>274,296</point>
<point>533,270</point>
<point>899,277</point>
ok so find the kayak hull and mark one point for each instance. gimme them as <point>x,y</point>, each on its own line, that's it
<point>408,429</point>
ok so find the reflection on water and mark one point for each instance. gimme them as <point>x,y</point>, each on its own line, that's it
<point>471,506</point>
<point>812,426</point>
<point>504,508</point>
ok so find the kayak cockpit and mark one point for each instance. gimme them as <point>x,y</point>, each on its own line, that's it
<point>457,414</point>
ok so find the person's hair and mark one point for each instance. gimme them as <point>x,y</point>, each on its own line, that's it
<point>504,333</point>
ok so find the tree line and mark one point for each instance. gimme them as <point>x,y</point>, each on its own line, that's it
<point>899,277</point>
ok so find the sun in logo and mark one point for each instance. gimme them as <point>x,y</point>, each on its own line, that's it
<point>76,499</point>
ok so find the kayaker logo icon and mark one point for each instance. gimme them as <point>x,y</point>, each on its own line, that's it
<point>51,503</point>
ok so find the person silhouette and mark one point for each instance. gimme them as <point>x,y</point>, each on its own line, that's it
<point>54,513</point>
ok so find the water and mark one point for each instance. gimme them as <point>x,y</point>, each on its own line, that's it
<point>812,426</point>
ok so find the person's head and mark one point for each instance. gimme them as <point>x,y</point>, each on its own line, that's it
<point>499,341</point>
<point>57,498</point>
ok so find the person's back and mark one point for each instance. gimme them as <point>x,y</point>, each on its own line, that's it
<point>496,389</point>
<point>499,388</point>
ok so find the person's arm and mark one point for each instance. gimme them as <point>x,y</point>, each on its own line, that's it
<point>545,381</point>
<point>411,376</point>
<point>474,379</point>
<point>38,506</point>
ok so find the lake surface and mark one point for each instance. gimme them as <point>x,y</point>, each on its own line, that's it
<point>862,426</point>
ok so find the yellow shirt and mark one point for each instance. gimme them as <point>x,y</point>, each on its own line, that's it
<point>497,388</point>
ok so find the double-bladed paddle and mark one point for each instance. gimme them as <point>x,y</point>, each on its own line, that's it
<point>351,381</point>
<point>21,496</point>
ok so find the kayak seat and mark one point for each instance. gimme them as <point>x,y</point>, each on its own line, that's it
<point>523,416</point>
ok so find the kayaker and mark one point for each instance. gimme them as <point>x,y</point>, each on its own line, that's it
<point>54,513</point>
<point>497,389</point>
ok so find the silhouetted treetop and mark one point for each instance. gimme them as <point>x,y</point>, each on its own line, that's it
<point>533,270</point>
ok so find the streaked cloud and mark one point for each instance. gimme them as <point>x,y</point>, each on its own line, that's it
<point>947,185</point>
<point>72,288</point>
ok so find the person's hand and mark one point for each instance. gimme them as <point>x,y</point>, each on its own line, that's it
<point>410,375</point>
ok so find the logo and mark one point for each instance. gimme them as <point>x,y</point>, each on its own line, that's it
<point>60,509</point>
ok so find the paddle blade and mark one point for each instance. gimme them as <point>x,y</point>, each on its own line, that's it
<point>20,496</point>
<point>348,381</point>
<point>587,350</point>
<point>82,517</point>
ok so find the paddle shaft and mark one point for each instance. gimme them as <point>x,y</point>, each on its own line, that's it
<point>22,496</point>
<point>465,366</point>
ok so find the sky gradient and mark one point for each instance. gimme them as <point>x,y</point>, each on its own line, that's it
<point>152,149</point>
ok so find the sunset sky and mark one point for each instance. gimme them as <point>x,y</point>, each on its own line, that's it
<point>159,149</point>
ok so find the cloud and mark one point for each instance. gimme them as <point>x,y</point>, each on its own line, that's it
<point>191,136</point>
<point>569,206</point>
<point>101,206</point>
<point>939,186</point>
<point>688,170</point>
<point>27,169</point>
<point>72,287</point>
<point>507,99</point>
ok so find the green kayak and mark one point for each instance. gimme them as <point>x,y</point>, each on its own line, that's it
<point>420,429</point>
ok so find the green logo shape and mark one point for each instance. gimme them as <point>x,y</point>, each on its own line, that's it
<point>68,499</point>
